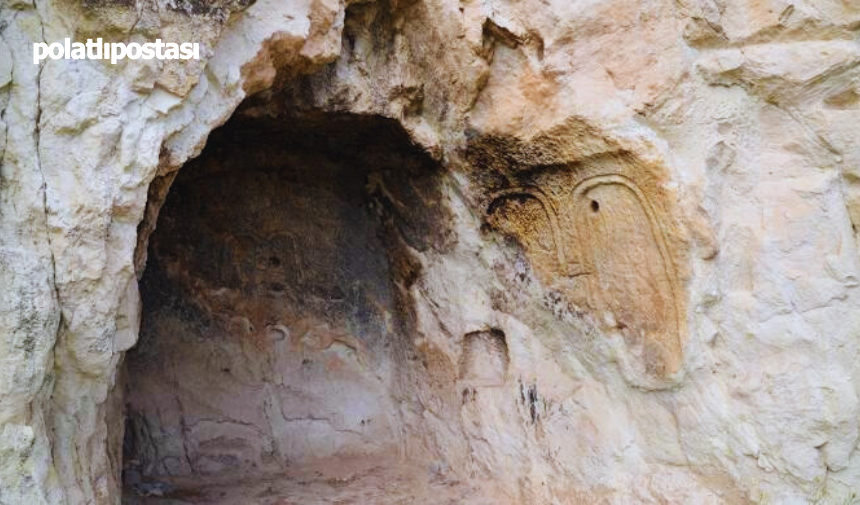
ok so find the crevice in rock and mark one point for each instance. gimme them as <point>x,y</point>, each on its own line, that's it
<point>38,160</point>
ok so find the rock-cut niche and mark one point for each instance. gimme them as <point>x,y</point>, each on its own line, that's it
<point>271,335</point>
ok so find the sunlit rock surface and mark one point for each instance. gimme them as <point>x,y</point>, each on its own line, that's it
<point>438,252</point>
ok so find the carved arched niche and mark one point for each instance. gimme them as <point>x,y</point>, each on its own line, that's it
<point>599,233</point>
<point>275,326</point>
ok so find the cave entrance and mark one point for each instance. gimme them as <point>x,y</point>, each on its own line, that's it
<point>271,334</point>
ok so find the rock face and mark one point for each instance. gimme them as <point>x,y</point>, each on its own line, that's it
<point>437,251</point>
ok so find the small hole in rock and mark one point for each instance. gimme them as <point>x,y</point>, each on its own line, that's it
<point>595,206</point>
<point>277,287</point>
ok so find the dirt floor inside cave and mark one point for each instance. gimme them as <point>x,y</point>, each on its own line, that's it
<point>382,480</point>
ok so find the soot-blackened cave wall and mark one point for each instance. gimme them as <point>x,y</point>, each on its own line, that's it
<point>272,328</point>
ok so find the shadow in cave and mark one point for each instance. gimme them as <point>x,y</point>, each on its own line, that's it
<point>272,336</point>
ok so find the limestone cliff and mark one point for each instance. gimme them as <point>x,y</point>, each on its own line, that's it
<point>432,251</point>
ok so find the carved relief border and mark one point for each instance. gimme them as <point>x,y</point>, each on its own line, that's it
<point>571,243</point>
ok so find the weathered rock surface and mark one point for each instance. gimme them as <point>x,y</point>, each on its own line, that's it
<point>477,251</point>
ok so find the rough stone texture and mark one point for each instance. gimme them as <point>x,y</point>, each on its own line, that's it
<point>635,280</point>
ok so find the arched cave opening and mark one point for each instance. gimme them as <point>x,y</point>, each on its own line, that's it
<point>272,341</point>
